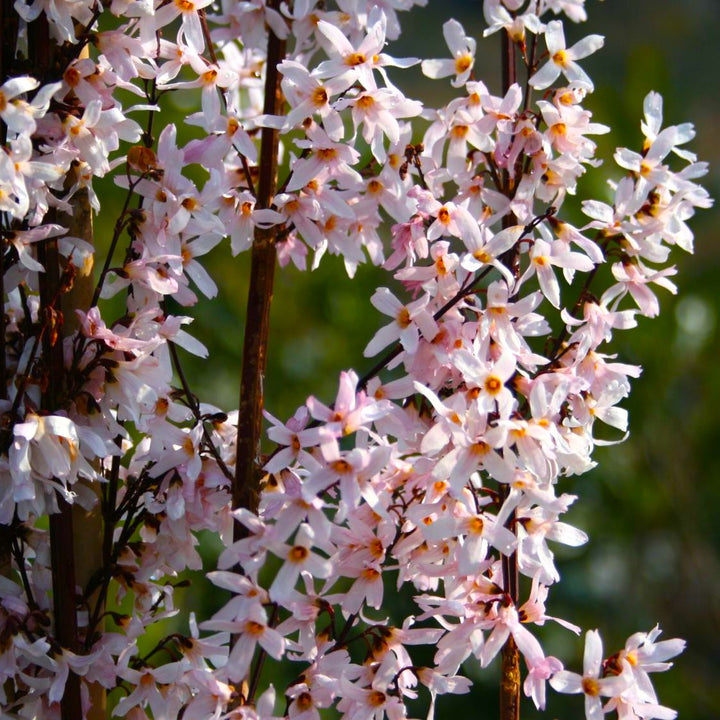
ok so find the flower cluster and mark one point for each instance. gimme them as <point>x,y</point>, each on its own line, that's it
<point>440,478</point>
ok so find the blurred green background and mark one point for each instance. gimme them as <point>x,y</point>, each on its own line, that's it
<point>651,507</point>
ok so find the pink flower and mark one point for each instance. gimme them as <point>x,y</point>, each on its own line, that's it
<point>327,158</point>
<point>409,322</point>
<point>543,256</point>
<point>349,64</point>
<point>296,559</point>
<point>191,28</point>
<point>377,112</point>
<point>490,380</point>
<point>308,95</point>
<point>539,671</point>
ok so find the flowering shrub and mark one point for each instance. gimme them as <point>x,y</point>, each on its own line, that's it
<point>437,471</point>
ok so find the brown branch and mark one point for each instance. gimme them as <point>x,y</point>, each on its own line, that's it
<point>3,370</point>
<point>71,557</point>
<point>8,41</point>
<point>61,523</point>
<point>257,316</point>
<point>530,65</point>
<point>510,680</point>
<point>88,525</point>
<point>510,672</point>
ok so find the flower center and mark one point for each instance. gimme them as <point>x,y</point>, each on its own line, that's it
<point>319,97</point>
<point>462,63</point>
<point>376,698</point>
<point>374,186</point>
<point>327,154</point>
<point>560,58</point>
<point>403,318</point>
<point>355,59</point>
<point>376,548</point>
<point>476,525</point>
<point>72,76</point>
<point>341,467</point>
<point>480,448</point>
<point>493,385</point>
<point>591,686</point>
<point>254,628</point>
<point>365,102</point>
<point>304,701</point>
<point>208,77</point>
<point>370,574</point>
<point>298,553</point>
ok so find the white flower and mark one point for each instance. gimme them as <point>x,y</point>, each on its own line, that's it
<point>462,48</point>
<point>590,683</point>
<point>562,59</point>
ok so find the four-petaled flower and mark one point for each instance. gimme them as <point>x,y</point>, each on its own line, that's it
<point>563,59</point>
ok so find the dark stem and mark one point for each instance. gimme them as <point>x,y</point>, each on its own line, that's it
<point>342,638</point>
<point>206,36</point>
<point>530,70</point>
<point>257,317</point>
<point>509,73</point>
<point>3,370</point>
<point>248,174</point>
<point>18,551</point>
<point>122,221</point>
<point>61,523</point>
<point>510,681</point>
<point>8,41</point>
<point>467,289</point>
<point>510,672</point>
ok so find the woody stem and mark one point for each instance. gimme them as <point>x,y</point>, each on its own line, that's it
<point>257,316</point>
<point>510,670</point>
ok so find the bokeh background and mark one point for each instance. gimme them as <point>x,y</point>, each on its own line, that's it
<point>651,507</point>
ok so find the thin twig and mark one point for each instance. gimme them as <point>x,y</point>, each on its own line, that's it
<point>556,351</point>
<point>195,408</point>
